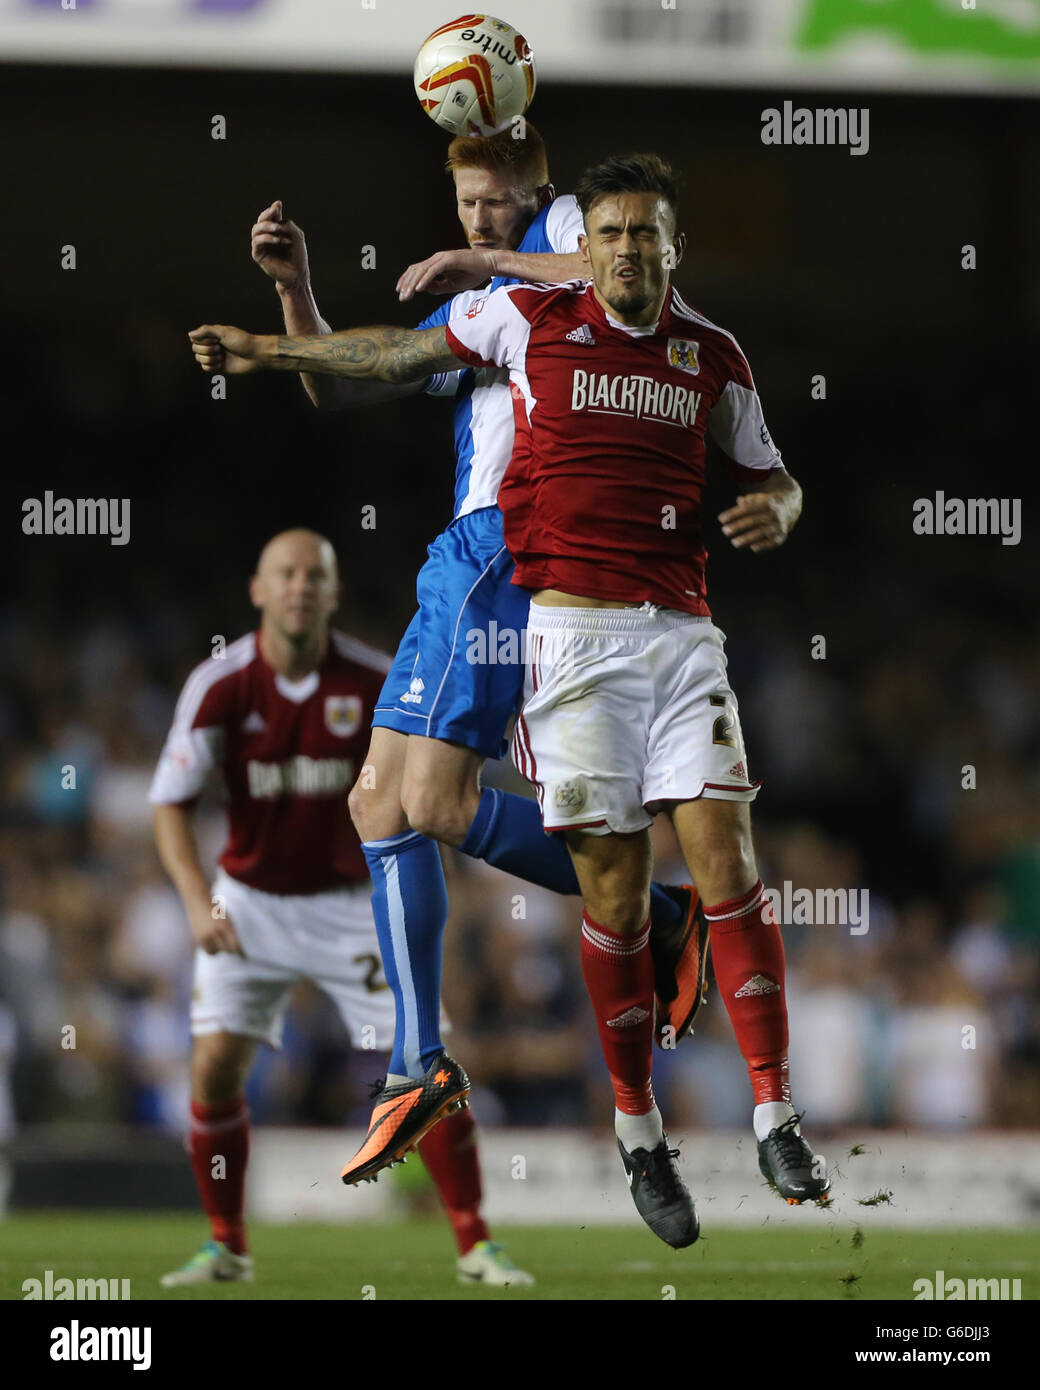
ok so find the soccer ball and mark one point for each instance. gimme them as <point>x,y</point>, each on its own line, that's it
<point>474,75</point>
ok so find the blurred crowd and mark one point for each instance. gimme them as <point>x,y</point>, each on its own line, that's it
<point>927,1018</point>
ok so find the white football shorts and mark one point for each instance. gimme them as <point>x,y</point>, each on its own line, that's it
<point>626,708</point>
<point>328,938</point>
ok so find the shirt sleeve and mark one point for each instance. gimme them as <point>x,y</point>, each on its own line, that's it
<point>493,331</point>
<point>441,383</point>
<point>194,746</point>
<point>564,224</point>
<point>737,425</point>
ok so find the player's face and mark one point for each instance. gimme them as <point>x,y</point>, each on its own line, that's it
<point>494,213</point>
<point>296,586</point>
<point>630,243</point>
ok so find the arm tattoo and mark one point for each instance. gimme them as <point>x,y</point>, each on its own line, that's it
<point>398,355</point>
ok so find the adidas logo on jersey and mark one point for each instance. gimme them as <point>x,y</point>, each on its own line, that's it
<point>254,723</point>
<point>629,1018</point>
<point>737,770</point>
<point>581,335</point>
<point>414,693</point>
<point>758,984</point>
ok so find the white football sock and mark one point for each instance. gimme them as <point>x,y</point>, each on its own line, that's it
<point>639,1131</point>
<point>770,1115</point>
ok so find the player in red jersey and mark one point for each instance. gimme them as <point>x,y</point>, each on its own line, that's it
<point>442,712</point>
<point>616,386</point>
<point>285,715</point>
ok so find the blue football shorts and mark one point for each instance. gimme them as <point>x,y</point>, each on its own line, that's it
<point>458,674</point>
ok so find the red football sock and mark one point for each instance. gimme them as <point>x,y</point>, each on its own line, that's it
<point>222,1131</point>
<point>748,952</point>
<point>449,1151</point>
<point>619,975</point>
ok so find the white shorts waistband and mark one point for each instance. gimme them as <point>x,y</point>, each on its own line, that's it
<point>593,621</point>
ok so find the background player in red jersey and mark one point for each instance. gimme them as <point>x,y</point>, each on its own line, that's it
<point>284,713</point>
<point>616,386</point>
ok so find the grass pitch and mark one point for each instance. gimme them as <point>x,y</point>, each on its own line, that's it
<point>415,1259</point>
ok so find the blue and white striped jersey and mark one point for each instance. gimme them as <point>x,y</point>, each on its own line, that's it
<point>483,404</point>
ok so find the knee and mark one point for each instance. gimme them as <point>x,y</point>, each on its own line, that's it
<point>361,804</point>
<point>620,910</point>
<point>434,812</point>
<point>375,806</point>
<point>218,1073</point>
<point>729,868</point>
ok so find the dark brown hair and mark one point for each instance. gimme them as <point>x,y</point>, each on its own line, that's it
<point>628,173</point>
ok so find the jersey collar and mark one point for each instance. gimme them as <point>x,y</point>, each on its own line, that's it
<point>647,331</point>
<point>295,691</point>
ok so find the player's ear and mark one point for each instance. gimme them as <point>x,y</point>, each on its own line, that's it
<point>583,247</point>
<point>545,195</point>
<point>680,246</point>
<point>254,591</point>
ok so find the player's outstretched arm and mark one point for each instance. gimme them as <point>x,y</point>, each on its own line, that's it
<point>279,248</point>
<point>765,517</point>
<point>450,272</point>
<point>397,355</point>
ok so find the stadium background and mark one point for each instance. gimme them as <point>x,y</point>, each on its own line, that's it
<point>821,263</point>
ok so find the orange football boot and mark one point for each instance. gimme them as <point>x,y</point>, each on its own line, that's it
<point>680,957</point>
<point>403,1114</point>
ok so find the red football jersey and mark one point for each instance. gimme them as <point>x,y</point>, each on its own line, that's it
<point>289,752</point>
<point>602,497</point>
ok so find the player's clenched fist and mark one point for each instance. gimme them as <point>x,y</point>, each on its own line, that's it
<point>279,248</point>
<point>211,933</point>
<point>219,348</point>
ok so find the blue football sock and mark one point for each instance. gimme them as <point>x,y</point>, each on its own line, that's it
<point>665,911</point>
<point>507,833</point>
<point>410,903</point>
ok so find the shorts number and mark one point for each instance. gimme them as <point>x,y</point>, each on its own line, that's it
<point>375,965</point>
<point>722,730</point>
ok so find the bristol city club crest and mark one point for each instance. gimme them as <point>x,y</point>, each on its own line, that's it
<point>683,354</point>
<point>569,795</point>
<point>343,714</point>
